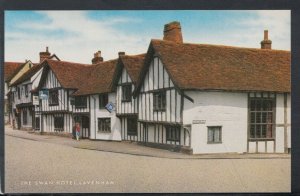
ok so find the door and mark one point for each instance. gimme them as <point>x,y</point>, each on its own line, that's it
<point>18,116</point>
<point>85,122</point>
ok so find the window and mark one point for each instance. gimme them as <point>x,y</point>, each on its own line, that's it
<point>261,118</point>
<point>19,93</point>
<point>126,92</point>
<point>53,97</point>
<point>173,133</point>
<point>37,123</point>
<point>59,123</point>
<point>159,101</point>
<point>103,100</point>
<point>214,134</point>
<point>104,125</point>
<point>26,90</point>
<point>80,102</point>
<point>132,126</point>
<point>24,117</point>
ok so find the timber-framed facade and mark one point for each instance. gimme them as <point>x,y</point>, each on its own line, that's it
<point>196,98</point>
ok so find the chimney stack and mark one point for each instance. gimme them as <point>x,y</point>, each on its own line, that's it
<point>266,43</point>
<point>172,32</point>
<point>97,57</point>
<point>121,54</point>
<point>45,55</point>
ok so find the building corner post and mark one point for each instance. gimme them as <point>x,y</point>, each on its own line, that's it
<point>285,124</point>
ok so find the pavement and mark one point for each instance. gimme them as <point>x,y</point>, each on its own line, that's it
<point>51,164</point>
<point>132,148</point>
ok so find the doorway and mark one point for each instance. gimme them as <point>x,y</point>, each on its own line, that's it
<point>84,122</point>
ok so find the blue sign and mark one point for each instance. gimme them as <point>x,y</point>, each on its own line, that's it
<point>43,94</point>
<point>110,107</point>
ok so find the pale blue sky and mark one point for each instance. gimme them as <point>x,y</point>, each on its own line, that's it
<point>76,35</point>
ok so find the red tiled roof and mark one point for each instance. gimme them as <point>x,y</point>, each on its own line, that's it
<point>69,75</point>
<point>133,65</point>
<point>215,67</point>
<point>99,79</point>
<point>28,74</point>
<point>85,78</point>
<point>10,69</point>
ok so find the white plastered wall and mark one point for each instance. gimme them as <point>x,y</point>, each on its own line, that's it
<point>226,109</point>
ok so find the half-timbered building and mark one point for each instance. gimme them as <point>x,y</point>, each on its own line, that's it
<point>22,89</point>
<point>80,93</point>
<point>60,79</point>
<point>198,98</point>
<point>10,70</point>
<point>22,97</point>
<point>18,70</point>
<point>101,121</point>
<point>125,78</point>
<point>212,98</point>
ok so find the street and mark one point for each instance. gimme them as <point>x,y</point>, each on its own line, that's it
<point>33,166</point>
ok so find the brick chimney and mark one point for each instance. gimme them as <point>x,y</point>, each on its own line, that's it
<point>97,57</point>
<point>172,32</point>
<point>266,43</point>
<point>121,54</point>
<point>44,55</point>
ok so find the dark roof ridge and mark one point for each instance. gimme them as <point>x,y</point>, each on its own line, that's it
<point>223,46</point>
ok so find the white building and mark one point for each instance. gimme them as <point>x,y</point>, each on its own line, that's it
<point>214,99</point>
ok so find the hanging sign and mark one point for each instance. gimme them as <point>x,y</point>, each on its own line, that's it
<point>43,94</point>
<point>110,107</point>
<point>35,100</point>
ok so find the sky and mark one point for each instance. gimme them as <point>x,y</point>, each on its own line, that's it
<point>76,35</point>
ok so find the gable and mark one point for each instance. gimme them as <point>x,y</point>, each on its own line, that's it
<point>156,77</point>
<point>51,81</point>
<point>24,68</point>
<point>124,78</point>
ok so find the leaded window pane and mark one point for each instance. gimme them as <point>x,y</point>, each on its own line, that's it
<point>261,118</point>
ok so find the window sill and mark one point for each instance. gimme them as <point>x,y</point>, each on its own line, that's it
<point>214,142</point>
<point>261,139</point>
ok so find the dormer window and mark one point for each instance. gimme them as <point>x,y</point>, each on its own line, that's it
<point>126,93</point>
